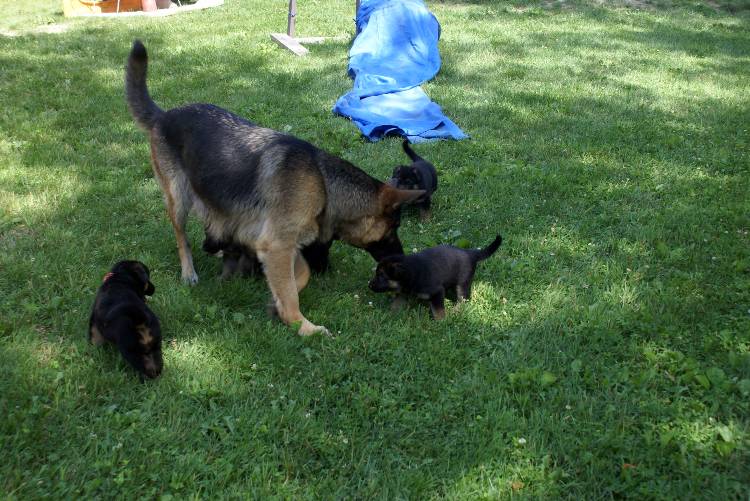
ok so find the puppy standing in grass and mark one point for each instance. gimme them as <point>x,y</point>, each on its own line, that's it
<point>269,192</point>
<point>120,316</point>
<point>430,273</point>
<point>420,175</point>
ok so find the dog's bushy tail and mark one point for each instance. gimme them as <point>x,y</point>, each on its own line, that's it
<point>142,107</point>
<point>489,250</point>
<point>412,154</point>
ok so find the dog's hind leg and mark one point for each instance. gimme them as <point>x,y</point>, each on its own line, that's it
<point>279,266</point>
<point>463,291</point>
<point>178,214</point>
<point>178,202</point>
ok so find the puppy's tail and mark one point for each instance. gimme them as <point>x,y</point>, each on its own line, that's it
<point>489,250</point>
<point>412,154</point>
<point>144,110</point>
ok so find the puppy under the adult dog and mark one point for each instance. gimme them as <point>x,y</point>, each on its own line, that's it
<point>430,273</point>
<point>120,316</point>
<point>235,259</point>
<point>239,260</point>
<point>266,191</point>
<point>420,175</point>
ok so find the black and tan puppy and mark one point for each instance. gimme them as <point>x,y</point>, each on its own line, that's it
<point>430,273</point>
<point>420,175</point>
<point>120,316</point>
<point>271,193</point>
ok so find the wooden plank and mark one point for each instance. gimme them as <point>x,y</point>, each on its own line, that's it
<point>289,43</point>
<point>311,39</point>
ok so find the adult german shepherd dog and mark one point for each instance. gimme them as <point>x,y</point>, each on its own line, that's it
<point>259,188</point>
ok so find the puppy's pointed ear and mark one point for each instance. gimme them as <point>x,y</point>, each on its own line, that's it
<point>142,273</point>
<point>392,198</point>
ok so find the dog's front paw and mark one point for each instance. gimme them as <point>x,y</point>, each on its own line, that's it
<point>308,329</point>
<point>191,279</point>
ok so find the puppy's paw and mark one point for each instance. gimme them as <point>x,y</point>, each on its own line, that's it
<point>438,313</point>
<point>397,304</point>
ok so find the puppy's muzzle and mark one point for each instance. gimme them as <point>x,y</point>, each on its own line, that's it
<point>388,246</point>
<point>152,366</point>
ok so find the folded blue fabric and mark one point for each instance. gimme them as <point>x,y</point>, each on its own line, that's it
<point>395,51</point>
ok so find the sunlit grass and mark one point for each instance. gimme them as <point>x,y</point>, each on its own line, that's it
<point>25,15</point>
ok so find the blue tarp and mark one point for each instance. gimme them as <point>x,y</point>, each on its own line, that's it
<point>395,51</point>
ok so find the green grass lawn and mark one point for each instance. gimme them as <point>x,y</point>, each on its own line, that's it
<point>606,350</point>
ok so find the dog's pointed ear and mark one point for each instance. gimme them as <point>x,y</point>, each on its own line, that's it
<point>392,198</point>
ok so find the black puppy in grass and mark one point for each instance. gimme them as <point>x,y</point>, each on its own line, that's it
<point>120,316</point>
<point>430,273</point>
<point>420,175</point>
